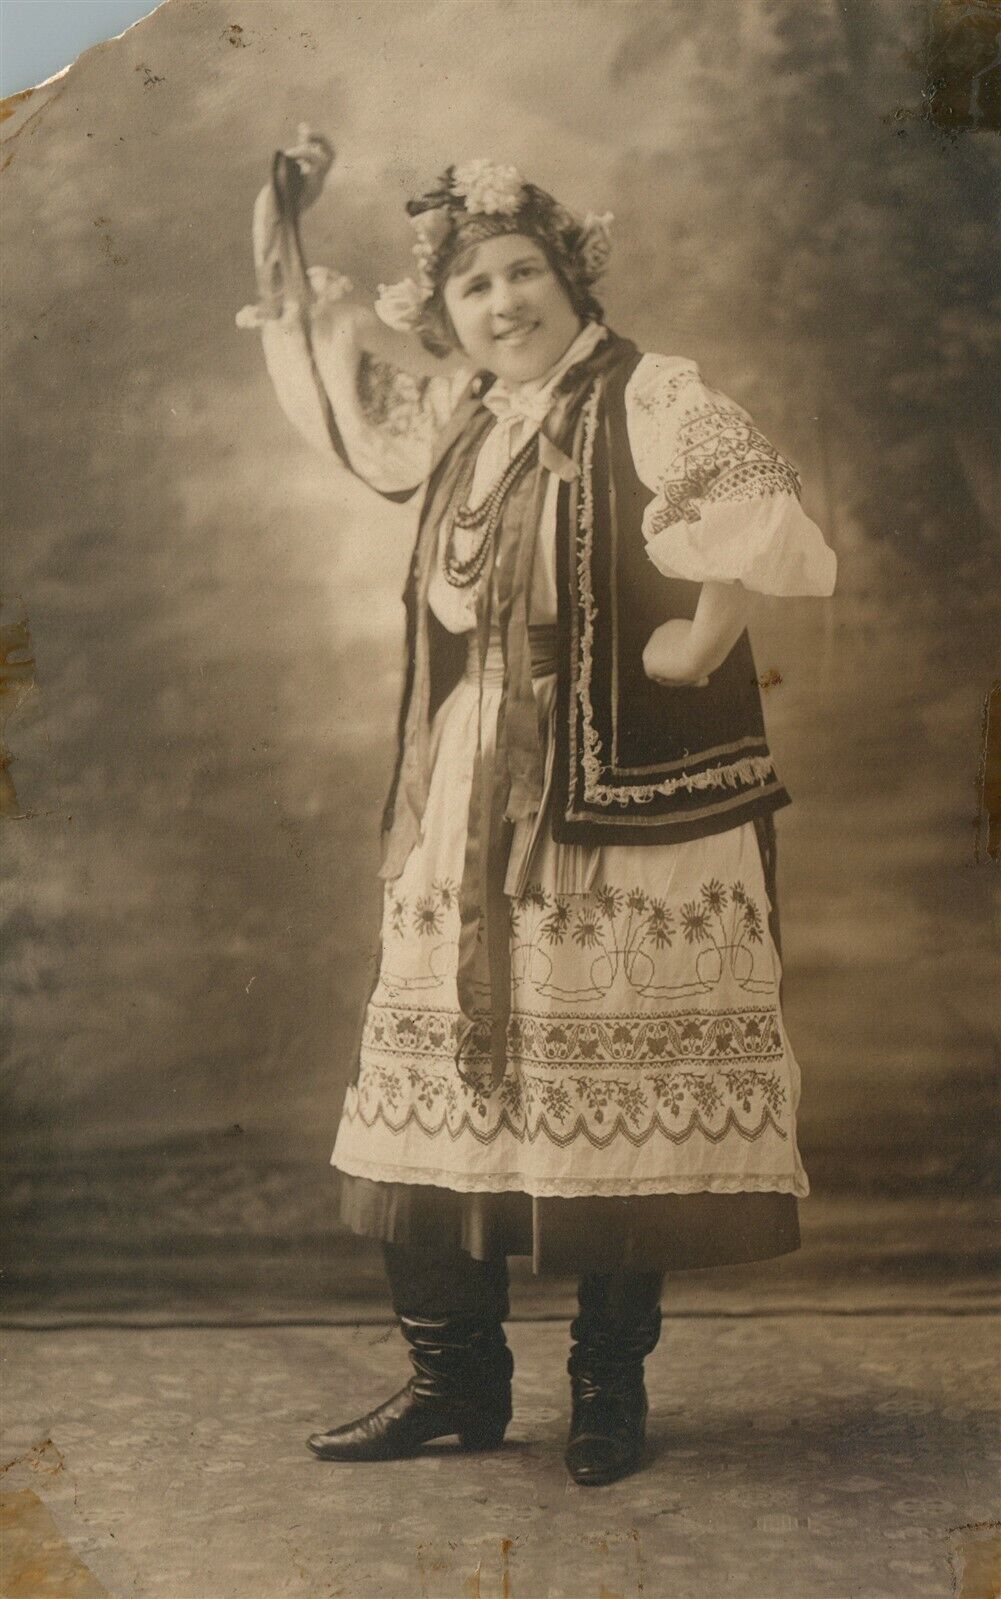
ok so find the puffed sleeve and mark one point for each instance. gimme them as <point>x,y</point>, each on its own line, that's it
<point>371,418</point>
<point>726,504</point>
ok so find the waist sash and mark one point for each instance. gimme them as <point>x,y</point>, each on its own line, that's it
<point>542,646</point>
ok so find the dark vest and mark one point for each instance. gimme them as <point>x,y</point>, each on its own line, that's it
<point>635,762</point>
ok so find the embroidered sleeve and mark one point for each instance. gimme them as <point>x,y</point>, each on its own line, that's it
<point>726,504</point>
<point>400,404</point>
<point>387,419</point>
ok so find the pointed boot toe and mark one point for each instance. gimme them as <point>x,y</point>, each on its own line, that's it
<point>594,1460</point>
<point>358,1441</point>
<point>607,1435</point>
<point>392,1431</point>
<point>619,1324</point>
<point>461,1388</point>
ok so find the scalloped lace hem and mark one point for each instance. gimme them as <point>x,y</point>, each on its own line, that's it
<point>569,1187</point>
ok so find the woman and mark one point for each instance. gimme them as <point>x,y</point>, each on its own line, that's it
<point>574,1048</point>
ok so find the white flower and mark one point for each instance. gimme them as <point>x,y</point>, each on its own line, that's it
<point>487,187</point>
<point>327,286</point>
<point>250,316</point>
<point>432,229</point>
<point>596,243</point>
<point>400,304</point>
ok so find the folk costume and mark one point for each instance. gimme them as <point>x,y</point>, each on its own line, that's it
<point>575,1046</point>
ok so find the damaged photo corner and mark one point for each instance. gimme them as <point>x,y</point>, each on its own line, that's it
<point>501,803</point>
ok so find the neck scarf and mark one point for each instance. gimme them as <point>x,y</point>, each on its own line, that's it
<point>532,402</point>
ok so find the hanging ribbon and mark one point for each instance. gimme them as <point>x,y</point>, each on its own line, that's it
<point>508,789</point>
<point>512,791</point>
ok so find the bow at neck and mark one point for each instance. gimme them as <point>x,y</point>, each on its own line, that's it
<point>518,404</point>
<point>532,402</point>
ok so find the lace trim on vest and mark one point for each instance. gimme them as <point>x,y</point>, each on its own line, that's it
<point>751,769</point>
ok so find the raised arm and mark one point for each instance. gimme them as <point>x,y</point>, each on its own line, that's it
<point>369,398</point>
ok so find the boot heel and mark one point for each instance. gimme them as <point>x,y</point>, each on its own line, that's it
<point>483,1435</point>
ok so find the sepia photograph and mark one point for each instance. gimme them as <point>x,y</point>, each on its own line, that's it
<point>501,803</point>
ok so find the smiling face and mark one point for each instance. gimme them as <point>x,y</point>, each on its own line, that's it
<point>510,311</point>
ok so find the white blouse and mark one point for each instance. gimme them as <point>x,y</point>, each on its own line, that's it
<point>388,422</point>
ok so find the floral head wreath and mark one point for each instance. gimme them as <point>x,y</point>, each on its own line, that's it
<point>481,200</point>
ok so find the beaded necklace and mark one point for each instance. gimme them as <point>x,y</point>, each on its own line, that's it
<point>465,573</point>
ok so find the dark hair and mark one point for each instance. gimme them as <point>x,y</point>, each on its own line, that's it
<point>535,221</point>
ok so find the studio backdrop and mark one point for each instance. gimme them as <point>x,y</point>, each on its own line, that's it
<point>191,905</point>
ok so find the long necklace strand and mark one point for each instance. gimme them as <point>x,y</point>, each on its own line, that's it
<point>464,573</point>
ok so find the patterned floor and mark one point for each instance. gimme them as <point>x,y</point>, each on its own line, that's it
<point>799,1457</point>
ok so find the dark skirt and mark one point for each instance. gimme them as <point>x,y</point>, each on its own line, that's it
<point>665,1232</point>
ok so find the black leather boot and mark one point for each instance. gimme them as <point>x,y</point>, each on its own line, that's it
<point>461,1384</point>
<point>618,1325</point>
<point>462,1366</point>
